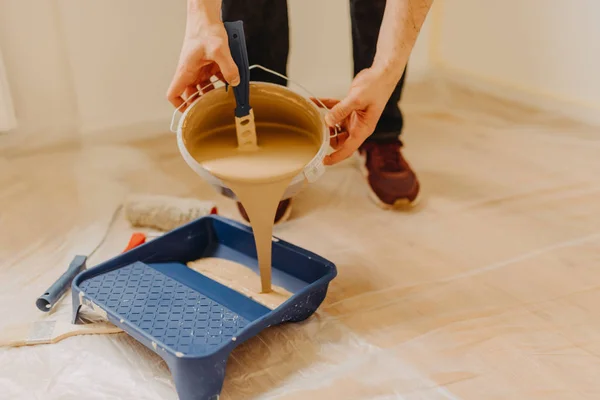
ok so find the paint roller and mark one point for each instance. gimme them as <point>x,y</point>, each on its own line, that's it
<point>244,115</point>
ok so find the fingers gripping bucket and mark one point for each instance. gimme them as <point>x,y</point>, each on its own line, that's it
<point>271,103</point>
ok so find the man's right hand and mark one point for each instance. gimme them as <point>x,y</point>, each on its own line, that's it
<point>205,53</point>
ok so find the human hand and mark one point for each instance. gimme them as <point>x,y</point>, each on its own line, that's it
<point>205,53</point>
<point>358,113</point>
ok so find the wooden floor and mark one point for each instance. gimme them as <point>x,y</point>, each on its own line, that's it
<point>490,289</point>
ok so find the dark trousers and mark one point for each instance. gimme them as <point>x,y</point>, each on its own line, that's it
<point>267,39</point>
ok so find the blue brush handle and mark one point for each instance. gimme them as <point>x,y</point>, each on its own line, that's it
<point>239,52</point>
<point>58,288</point>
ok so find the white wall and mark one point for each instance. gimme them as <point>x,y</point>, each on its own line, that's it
<point>92,66</point>
<point>36,70</point>
<point>122,55</point>
<point>541,51</point>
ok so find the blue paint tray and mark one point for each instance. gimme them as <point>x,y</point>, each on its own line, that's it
<point>189,320</point>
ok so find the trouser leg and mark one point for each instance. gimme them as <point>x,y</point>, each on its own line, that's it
<point>266,29</point>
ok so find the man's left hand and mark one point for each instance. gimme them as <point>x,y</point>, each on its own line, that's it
<point>358,113</point>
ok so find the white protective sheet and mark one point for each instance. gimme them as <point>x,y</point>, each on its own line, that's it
<point>488,290</point>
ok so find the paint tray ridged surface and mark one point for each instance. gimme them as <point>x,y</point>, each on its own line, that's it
<point>190,320</point>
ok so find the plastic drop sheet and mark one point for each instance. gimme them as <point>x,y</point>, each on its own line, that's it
<point>489,289</point>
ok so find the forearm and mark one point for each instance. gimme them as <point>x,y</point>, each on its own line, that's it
<point>402,22</point>
<point>201,13</point>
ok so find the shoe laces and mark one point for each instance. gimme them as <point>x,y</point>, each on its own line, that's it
<point>386,156</point>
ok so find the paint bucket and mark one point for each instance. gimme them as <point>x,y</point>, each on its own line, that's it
<point>214,110</point>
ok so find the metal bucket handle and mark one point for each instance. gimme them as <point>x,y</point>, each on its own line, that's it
<point>337,128</point>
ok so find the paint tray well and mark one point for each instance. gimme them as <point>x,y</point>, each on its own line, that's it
<point>188,319</point>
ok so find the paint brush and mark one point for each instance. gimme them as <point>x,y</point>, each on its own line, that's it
<point>244,115</point>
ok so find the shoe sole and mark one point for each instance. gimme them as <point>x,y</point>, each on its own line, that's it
<point>400,204</point>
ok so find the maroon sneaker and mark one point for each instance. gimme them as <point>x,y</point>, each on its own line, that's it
<point>284,209</point>
<point>392,182</point>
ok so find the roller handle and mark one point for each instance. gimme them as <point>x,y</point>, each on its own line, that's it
<point>239,52</point>
<point>48,299</point>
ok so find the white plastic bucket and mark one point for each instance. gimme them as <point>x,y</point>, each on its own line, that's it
<point>214,110</point>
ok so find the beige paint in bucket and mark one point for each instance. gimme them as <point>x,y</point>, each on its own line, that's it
<point>292,139</point>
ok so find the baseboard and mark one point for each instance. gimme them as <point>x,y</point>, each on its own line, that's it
<point>584,112</point>
<point>8,122</point>
<point>39,136</point>
<point>113,135</point>
<point>418,74</point>
<point>124,133</point>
